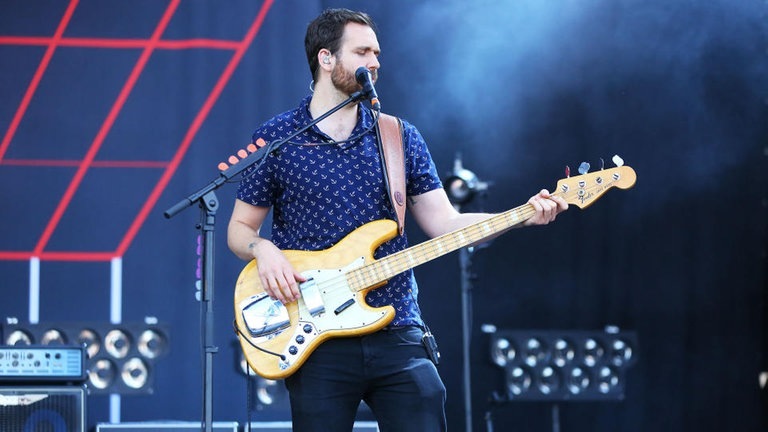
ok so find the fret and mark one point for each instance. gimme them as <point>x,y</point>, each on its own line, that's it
<point>386,267</point>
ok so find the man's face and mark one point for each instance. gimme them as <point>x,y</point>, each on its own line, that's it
<point>359,47</point>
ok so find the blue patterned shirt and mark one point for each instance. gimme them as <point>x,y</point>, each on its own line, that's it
<point>320,191</point>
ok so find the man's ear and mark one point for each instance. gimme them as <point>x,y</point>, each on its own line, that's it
<point>324,57</point>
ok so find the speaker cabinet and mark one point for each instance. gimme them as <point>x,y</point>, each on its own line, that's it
<point>164,426</point>
<point>42,409</point>
<point>285,426</point>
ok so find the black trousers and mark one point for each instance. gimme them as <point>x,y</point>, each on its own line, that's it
<point>389,370</point>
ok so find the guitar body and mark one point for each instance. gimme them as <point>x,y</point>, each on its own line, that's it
<point>330,306</point>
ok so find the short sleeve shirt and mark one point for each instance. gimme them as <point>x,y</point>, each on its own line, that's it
<point>320,191</point>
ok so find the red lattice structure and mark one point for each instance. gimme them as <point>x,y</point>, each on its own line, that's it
<point>148,48</point>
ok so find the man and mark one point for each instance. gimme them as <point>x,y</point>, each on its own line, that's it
<point>321,186</point>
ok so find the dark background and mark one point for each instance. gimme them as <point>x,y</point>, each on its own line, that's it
<point>520,89</point>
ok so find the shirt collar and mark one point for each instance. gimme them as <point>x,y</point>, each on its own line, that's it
<point>303,117</point>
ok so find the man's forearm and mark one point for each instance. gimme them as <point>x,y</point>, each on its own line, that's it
<point>242,239</point>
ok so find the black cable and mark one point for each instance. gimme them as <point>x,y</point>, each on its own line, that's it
<point>253,169</point>
<point>241,334</point>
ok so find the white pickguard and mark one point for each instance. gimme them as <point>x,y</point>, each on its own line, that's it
<point>336,295</point>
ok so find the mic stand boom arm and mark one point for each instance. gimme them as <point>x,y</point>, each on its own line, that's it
<point>252,159</point>
<point>206,197</point>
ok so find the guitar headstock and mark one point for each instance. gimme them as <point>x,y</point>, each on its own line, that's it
<point>585,189</point>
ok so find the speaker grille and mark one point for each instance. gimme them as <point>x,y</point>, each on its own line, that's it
<point>42,409</point>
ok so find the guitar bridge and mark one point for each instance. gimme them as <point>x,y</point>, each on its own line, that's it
<point>264,316</point>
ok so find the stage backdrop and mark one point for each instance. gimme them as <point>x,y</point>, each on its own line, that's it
<point>113,111</point>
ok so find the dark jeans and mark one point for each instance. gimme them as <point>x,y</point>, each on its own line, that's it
<point>388,369</point>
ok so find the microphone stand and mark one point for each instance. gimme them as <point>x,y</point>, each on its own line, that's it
<point>208,203</point>
<point>465,262</point>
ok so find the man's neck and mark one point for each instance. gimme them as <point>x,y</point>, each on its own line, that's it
<point>340,124</point>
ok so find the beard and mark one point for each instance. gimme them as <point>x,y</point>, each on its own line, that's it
<point>345,81</point>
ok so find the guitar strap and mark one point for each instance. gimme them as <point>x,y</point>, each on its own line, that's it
<point>389,130</point>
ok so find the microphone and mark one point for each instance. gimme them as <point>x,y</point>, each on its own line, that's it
<point>363,76</point>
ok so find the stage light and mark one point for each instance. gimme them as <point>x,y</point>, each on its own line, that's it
<point>578,380</point>
<point>462,185</point>
<point>562,365</point>
<point>534,353</point>
<point>518,380</point>
<point>563,352</point>
<point>607,380</point>
<point>593,352</point>
<point>502,352</point>
<point>549,380</point>
<point>620,352</point>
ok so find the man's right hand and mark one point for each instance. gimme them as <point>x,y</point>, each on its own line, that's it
<point>278,277</point>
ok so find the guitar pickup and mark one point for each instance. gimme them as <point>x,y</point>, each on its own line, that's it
<point>312,298</point>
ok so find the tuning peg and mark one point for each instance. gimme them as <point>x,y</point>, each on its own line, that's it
<point>602,164</point>
<point>567,171</point>
<point>584,168</point>
<point>618,161</point>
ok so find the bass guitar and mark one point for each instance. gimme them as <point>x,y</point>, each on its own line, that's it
<point>278,338</point>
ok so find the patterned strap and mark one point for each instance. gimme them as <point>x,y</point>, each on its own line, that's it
<point>391,145</point>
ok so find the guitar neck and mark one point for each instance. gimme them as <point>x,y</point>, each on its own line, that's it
<point>580,191</point>
<point>396,263</point>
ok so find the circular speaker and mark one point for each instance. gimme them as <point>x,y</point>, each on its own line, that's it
<point>18,337</point>
<point>117,343</point>
<point>266,391</point>
<point>135,373</point>
<point>91,340</point>
<point>53,337</point>
<point>102,374</point>
<point>151,344</point>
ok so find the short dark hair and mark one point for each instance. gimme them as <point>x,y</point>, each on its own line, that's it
<point>326,31</point>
